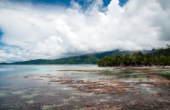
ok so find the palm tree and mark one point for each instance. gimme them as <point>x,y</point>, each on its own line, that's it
<point>168,49</point>
<point>162,51</point>
<point>152,53</point>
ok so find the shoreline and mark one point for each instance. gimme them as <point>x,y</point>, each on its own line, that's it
<point>137,66</point>
<point>141,68</point>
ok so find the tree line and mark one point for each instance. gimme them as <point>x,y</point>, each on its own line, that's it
<point>158,56</point>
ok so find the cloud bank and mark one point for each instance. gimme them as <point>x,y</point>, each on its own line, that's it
<point>43,31</point>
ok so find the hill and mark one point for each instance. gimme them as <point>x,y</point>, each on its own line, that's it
<point>117,52</point>
<point>84,59</point>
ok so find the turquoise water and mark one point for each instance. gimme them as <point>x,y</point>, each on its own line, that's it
<point>17,92</point>
<point>37,92</point>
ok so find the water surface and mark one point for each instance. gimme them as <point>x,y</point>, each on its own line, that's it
<point>40,93</point>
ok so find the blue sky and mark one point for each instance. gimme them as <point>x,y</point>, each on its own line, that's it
<point>66,2</point>
<point>1,44</point>
<point>0,34</point>
<point>49,29</point>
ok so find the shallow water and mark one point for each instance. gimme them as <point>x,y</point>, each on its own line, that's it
<point>37,92</point>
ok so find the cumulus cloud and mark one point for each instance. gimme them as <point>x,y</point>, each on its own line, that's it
<point>35,32</point>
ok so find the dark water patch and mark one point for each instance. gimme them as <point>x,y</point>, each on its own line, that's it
<point>134,76</point>
<point>107,72</point>
<point>126,72</point>
<point>119,72</point>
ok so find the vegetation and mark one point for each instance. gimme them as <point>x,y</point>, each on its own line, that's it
<point>158,56</point>
<point>116,52</point>
<point>84,59</point>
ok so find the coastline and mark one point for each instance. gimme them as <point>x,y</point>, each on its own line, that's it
<point>141,68</point>
<point>160,66</point>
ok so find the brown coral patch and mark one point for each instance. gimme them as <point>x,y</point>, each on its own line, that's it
<point>62,80</point>
<point>139,103</point>
<point>158,95</point>
<point>82,70</point>
<point>65,78</point>
<point>27,76</point>
<point>156,77</point>
<point>106,107</point>
<point>104,87</point>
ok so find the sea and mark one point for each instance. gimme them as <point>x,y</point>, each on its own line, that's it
<point>34,87</point>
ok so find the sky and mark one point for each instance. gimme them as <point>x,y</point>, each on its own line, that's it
<point>50,29</point>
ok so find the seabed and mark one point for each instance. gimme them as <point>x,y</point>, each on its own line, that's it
<point>109,89</point>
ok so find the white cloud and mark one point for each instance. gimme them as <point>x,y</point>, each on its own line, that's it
<point>75,5</point>
<point>42,33</point>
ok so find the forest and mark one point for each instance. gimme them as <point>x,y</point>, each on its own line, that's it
<point>83,59</point>
<point>160,56</point>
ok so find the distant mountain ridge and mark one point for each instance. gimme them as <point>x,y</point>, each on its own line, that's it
<point>117,52</point>
<point>83,59</point>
